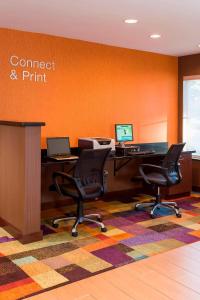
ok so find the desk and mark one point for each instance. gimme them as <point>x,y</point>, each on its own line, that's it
<point>20,176</point>
<point>123,174</point>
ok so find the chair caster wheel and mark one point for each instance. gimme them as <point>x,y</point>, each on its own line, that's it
<point>75,234</point>
<point>179,215</point>
<point>54,225</point>
<point>152,216</point>
<point>104,229</point>
<point>136,207</point>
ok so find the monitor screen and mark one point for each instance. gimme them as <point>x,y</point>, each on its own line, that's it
<point>58,145</point>
<point>124,132</point>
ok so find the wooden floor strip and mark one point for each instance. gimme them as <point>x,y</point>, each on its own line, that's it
<point>173,275</point>
<point>176,273</point>
<point>103,289</point>
<point>129,283</point>
<point>162,283</point>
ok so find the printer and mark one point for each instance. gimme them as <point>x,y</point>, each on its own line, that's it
<point>96,143</point>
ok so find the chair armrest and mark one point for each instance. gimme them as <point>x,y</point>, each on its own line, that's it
<point>154,168</point>
<point>65,176</point>
<point>75,181</point>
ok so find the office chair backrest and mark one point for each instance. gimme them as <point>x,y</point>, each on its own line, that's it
<point>172,157</point>
<point>90,166</point>
<point>171,163</point>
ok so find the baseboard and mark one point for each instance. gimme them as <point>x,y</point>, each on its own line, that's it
<point>196,189</point>
<point>176,196</point>
<point>123,196</point>
<point>56,204</point>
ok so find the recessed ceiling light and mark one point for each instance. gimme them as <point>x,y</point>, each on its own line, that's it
<point>155,36</point>
<point>131,21</point>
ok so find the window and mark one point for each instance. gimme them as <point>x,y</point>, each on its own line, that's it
<point>191,113</point>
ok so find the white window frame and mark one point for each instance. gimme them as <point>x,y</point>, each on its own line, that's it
<point>192,77</point>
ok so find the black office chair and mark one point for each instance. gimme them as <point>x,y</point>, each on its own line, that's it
<point>88,182</point>
<point>166,175</point>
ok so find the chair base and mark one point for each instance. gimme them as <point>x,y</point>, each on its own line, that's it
<point>80,220</point>
<point>157,204</point>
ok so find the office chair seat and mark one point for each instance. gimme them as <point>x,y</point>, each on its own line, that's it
<point>157,178</point>
<point>91,190</point>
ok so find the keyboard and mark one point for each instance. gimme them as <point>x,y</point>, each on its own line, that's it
<point>64,157</point>
<point>133,153</point>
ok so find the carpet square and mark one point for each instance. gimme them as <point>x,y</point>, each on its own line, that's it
<point>35,268</point>
<point>12,247</point>
<point>3,233</point>
<point>86,260</point>
<point>193,226</point>
<point>164,227</point>
<point>114,232</point>
<point>85,241</point>
<point>123,248</point>
<point>138,216</point>
<point>153,222</point>
<point>9,272</point>
<point>74,272</point>
<point>96,265</point>
<point>195,233</point>
<point>149,249</point>
<point>136,255</point>
<point>14,284</point>
<point>144,239</point>
<point>46,252</point>
<point>5,239</point>
<point>137,229</point>
<point>99,245</point>
<point>78,256</point>
<point>118,222</point>
<point>56,262</point>
<point>113,256</point>
<point>122,236</point>
<point>20,291</point>
<point>24,260</point>
<point>182,234</point>
<point>49,279</point>
<point>169,244</point>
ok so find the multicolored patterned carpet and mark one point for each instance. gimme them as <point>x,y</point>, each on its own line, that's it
<point>61,259</point>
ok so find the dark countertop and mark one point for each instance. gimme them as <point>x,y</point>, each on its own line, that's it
<point>46,161</point>
<point>157,153</point>
<point>21,124</point>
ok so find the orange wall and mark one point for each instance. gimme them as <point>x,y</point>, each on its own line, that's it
<point>92,88</point>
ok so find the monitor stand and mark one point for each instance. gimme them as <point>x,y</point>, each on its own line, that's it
<point>123,145</point>
<point>122,149</point>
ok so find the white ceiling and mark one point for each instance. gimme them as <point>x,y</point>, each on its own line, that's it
<point>178,21</point>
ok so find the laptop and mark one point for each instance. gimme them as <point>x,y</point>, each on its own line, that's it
<point>58,148</point>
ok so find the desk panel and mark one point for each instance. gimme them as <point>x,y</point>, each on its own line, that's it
<point>20,179</point>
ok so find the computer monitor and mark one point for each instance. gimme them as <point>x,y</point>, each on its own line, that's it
<point>124,132</point>
<point>58,145</point>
